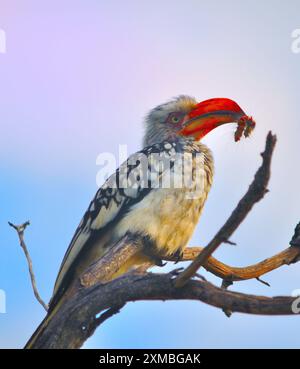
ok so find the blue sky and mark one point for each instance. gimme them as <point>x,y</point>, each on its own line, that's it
<point>77,79</point>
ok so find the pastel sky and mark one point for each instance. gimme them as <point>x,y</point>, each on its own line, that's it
<point>77,79</point>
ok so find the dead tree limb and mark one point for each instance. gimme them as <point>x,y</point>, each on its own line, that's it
<point>20,231</point>
<point>92,304</point>
<point>256,192</point>
<point>230,273</point>
<point>76,320</point>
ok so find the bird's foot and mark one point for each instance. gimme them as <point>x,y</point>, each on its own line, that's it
<point>159,262</point>
<point>178,255</point>
<point>199,276</point>
<point>175,272</point>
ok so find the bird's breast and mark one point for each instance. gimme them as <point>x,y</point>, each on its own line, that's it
<point>169,215</point>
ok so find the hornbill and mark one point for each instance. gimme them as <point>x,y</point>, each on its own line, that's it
<point>158,193</point>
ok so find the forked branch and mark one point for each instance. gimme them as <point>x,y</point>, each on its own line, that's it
<point>256,192</point>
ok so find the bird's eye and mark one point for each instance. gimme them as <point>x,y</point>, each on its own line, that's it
<point>175,119</point>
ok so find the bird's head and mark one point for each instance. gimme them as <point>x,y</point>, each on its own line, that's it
<point>184,117</point>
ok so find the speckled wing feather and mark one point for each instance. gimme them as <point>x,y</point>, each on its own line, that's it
<point>115,198</point>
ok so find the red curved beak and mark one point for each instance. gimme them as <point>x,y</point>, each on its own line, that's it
<point>210,114</point>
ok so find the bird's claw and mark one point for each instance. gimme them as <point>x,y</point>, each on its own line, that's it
<point>159,262</point>
<point>175,272</point>
<point>199,276</point>
<point>178,254</point>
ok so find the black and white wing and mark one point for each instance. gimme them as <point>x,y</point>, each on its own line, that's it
<point>127,186</point>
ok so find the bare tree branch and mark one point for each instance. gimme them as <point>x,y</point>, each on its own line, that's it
<point>20,230</point>
<point>256,192</point>
<point>77,318</point>
<point>70,326</point>
<point>286,257</point>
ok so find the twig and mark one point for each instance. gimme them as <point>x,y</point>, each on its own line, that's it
<point>20,230</point>
<point>229,242</point>
<point>286,257</point>
<point>256,192</point>
<point>263,282</point>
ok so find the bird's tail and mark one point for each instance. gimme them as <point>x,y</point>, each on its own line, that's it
<point>135,260</point>
<point>31,344</point>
